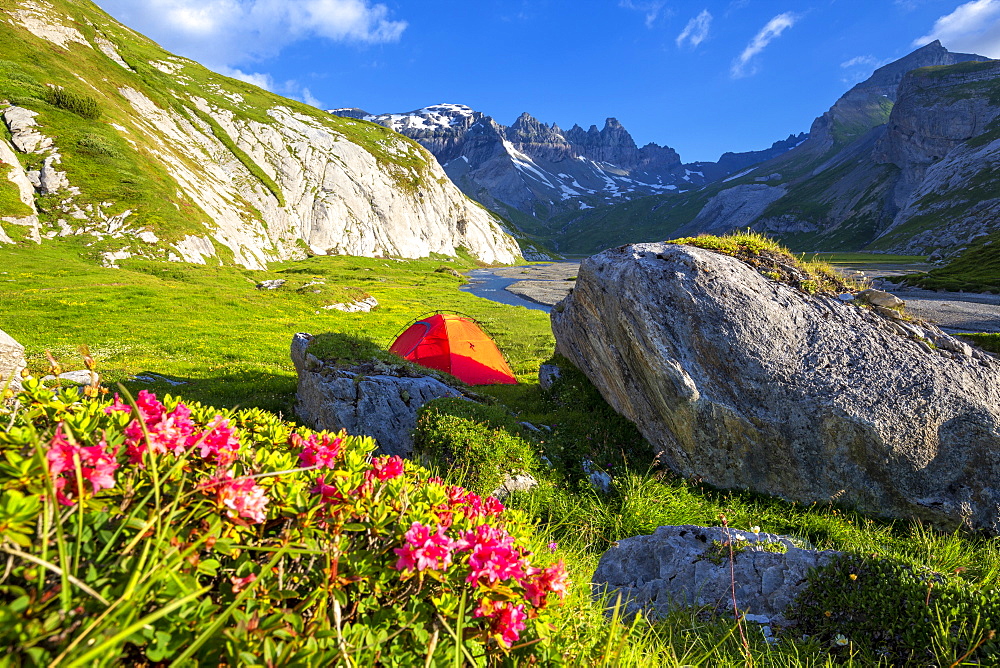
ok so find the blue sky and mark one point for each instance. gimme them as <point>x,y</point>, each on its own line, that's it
<point>703,77</point>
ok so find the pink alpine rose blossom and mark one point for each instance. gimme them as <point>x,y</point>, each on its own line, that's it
<point>493,556</point>
<point>506,619</point>
<point>97,465</point>
<point>424,550</point>
<point>321,453</point>
<point>241,498</point>
<point>385,468</point>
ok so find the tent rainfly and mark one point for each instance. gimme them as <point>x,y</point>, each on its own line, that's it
<point>454,344</point>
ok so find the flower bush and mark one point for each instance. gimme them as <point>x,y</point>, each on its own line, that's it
<point>159,531</point>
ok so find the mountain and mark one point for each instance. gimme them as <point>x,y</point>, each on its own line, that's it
<point>902,162</point>
<point>107,135</point>
<point>533,172</point>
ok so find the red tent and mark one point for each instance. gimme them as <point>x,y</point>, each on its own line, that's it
<point>457,345</point>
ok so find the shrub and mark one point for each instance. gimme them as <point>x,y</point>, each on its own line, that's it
<point>147,531</point>
<point>479,444</point>
<point>907,614</point>
<point>97,145</point>
<point>82,105</point>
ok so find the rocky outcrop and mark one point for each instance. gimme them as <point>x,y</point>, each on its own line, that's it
<point>682,566</point>
<point>734,208</point>
<point>749,383</point>
<point>242,175</point>
<point>374,400</point>
<point>12,361</point>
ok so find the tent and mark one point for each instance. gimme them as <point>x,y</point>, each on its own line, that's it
<point>455,344</point>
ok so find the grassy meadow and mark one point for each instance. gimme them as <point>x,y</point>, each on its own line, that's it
<point>226,343</point>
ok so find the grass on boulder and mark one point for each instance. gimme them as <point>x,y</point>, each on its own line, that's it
<point>775,261</point>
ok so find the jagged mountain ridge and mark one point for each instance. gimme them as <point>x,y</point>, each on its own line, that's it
<point>111,137</point>
<point>542,170</point>
<point>842,189</point>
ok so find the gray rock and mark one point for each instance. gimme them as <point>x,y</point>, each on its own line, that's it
<point>880,298</point>
<point>379,405</point>
<point>681,566</point>
<point>271,285</point>
<point>514,482</point>
<point>12,361</point>
<point>547,375</point>
<point>750,383</point>
<point>361,306</point>
<point>81,377</point>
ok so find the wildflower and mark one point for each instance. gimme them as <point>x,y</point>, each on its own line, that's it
<point>322,453</point>
<point>506,619</point>
<point>385,468</point>
<point>241,497</point>
<point>540,582</point>
<point>118,405</point>
<point>167,432</point>
<point>553,546</point>
<point>755,529</point>
<point>327,493</point>
<point>239,584</point>
<point>828,613</point>
<point>853,576</point>
<point>492,555</point>
<point>424,550</point>
<point>97,465</point>
<point>218,444</point>
<point>840,641</point>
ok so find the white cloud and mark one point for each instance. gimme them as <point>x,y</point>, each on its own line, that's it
<point>223,33</point>
<point>258,79</point>
<point>973,27</point>
<point>860,61</point>
<point>743,65</point>
<point>651,10</point>
<point>696,30</point>
<point>310,99</point>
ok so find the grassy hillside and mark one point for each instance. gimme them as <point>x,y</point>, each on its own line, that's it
<point>84,93</point>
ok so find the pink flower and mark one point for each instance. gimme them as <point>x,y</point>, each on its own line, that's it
<point>219,444</point>
<point>321,454</point>
<point>241,498</point>
<point>97,465</point>
<point>424,550</point>
<point>327,493</point>
<point>117,406</point>
<point>493,555</point>
<point>506,619</point>
<point>239,584</point>
<point>385,468</point>
<point>540,582</point>
<point>167,432</point>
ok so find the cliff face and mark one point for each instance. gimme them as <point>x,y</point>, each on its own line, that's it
<point>159,157</point>
<point>904,162</point>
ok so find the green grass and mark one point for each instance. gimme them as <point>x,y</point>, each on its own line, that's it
<point>775,261</point>
<point>988,342</point>
<point>10,197</point>
<point>975,270</point>
<point>210,328</point>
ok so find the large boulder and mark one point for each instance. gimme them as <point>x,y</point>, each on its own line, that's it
<point>750,383</point>
<point>680,566</point>
<point>366,401</point>
<point>11,361</point>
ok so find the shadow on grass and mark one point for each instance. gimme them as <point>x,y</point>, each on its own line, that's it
<point>234,389</point>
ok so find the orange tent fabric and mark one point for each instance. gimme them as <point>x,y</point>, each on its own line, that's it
<point>456,345</point>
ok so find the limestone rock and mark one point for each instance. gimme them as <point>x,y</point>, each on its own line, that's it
<point>548,374</point>
<point>680,566</point>
<point>881,298</point>
<point>81,377</point>
<point>272,284</point>
<point>379,404</point>
<point>750,383</point>
<point>365,305</point>
<point>11,361</point>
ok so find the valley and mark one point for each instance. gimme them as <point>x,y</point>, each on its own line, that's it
<point>772,441</point>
